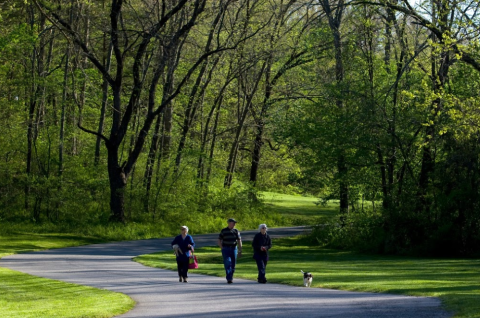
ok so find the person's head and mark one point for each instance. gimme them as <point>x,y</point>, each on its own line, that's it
<point>184,229</point>
<point>231,223</point>
<point>262,228</point>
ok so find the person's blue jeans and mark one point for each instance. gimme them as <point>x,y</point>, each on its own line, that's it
<point>229,254</point>
<point>261,266</point>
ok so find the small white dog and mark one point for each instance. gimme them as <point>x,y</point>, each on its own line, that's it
<point>307,279</point>
<point>177,250</point>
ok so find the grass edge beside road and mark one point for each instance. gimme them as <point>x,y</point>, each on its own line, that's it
<point>23,295</point>
<point>455,281</point>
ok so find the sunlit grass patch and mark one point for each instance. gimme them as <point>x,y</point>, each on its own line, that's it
<point>300,210</point>
<point>24,296</point>
<point>27,242</point>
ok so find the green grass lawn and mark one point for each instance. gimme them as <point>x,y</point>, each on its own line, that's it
<point>299,210</point>
<point>23,295</point>
<point>18,243</point>
<point>455,281</point>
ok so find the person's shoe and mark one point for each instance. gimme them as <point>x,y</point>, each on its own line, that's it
<point>185,280</point>
<point>180,279</point>
<point>229,282</point>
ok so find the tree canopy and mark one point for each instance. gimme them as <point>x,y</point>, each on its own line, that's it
<point>127,110</point>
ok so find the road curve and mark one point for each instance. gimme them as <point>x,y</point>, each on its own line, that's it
<point>159,294</point>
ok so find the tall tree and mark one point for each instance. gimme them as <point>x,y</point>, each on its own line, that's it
<point>334,12</point>
<point>129,50</point>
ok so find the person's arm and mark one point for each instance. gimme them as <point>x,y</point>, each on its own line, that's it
<point>269,243</point>
<point>220,240</point>
<point>256,243</point>
<point>192,243</point>
<point>239,243</point>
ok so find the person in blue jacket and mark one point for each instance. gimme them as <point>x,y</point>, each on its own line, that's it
<point>183,245</point>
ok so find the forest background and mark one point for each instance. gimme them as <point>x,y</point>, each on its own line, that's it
<point>137,116</point>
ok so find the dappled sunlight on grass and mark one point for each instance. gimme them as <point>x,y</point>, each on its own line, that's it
<point>300,210</point>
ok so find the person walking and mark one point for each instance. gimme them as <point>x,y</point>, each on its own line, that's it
<point>261,244</point>
<point>183,245</point>
<point>230,242</point>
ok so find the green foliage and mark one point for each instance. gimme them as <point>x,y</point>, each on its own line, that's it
<point>202,213</point>
<point>359,232</point>
<point>398,119</point>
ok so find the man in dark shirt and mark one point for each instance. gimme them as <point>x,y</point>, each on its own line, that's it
<point>230,243</point>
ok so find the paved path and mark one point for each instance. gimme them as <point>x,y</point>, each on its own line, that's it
<point>159,294</point>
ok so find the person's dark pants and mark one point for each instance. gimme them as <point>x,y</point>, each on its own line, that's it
<point>261,266</point>
<point>229,254</point>
<point>182,267</point>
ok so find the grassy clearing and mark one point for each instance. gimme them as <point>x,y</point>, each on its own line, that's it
<point>455,281</point>
<point>299,210</point>
<point>19,243</point>
<point>23,295</point>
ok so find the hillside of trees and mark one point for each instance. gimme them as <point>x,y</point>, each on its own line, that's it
<point>153,111</point>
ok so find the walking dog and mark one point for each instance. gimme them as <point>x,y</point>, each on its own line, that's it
<point>307,279</point>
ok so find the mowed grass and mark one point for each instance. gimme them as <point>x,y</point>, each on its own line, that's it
<point>19,243</point>
<point>23,295</point>
<point>299,210</point>
<point>455,281</point>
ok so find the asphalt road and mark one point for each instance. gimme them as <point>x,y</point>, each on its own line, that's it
<point>159,294</point>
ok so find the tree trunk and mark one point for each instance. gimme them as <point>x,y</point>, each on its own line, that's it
<point>169,58</point>
<point>257,146</point>
<point>84,65</point>
<point>151,162</point>
<point>62,116</point>
<point>234,149</point>
<point>260,124</point>
<point>32,126</point>
<point>64,102</point>
<point>108,51</point>
<point>218,102</point>
<point>334,20</point>
<point>118,182</point>
<point>190,111</point>
<point>440,63</point>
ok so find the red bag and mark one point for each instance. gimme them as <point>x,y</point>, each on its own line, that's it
<point>192,262</point>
